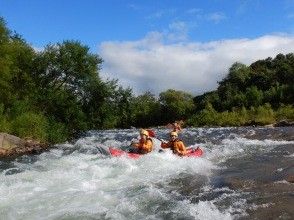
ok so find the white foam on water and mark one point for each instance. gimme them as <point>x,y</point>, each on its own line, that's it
<point>238,147</point>
<point>283,182</point>
<point>207,210</point>
<point>250,142</point>
<point>56,186</point>
<point>87,184</point>
<point>291,155</point>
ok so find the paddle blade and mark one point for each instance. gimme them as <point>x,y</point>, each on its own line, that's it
<point>151,133</point>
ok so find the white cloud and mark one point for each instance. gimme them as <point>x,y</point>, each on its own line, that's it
<point>216,17</point>
<point>248,5</point>
<point>178,31</point>
<point>150,64</point>
<point>194,11</point>
<point>134,7</point>
<point>161,13</point>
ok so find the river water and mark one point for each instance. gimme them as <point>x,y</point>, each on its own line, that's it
<point>242,175</point>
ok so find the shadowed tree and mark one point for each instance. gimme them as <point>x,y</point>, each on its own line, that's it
<point>175,105</point>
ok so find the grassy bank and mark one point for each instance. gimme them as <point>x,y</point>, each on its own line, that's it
<point>261,115</point>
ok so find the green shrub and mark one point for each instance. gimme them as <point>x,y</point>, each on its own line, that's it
<point>56,132</point>
<point>30,125</point>
<point>228,119</point>
<point>285,112</point>
<point>264,115</point>
<point>207,116</point>
<point>4,123</point>
<point>237,117</point>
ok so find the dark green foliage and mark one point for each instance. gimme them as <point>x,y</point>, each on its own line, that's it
<point>30,125</point>
<point>175,105</point>
<point>56,93</point>
<point>56,131</point>
<point>285,112</point>
<point>145,110</point>
<point>261,115</point>
<point>264,81</point>
<point>254,96</point>
<point>4,123</point>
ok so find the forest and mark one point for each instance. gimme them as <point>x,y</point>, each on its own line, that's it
<point>55,94</point>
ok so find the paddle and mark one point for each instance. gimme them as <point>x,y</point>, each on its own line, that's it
<point>153,135</point>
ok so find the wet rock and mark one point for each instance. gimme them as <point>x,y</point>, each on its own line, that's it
<point>269,126</point>
<point>273,207</point>
<point>236,183</point>
<point>284,123</point>
<point>290,179</point>
<point>8,141</point>
<point>12,146</point>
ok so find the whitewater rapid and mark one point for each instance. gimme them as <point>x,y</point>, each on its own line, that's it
<point>81,180</point>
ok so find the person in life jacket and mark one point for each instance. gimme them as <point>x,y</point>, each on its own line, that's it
<point>175,144</point>
<point>145,144</point>
<point>176,126</point>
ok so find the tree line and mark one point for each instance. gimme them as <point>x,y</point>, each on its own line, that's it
<point>53,94</point>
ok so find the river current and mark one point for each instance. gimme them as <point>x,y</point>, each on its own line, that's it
<point>242,175</point>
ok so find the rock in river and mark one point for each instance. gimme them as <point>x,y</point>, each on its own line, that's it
<point>12,146</point>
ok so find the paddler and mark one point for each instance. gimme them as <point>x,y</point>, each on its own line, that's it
<point>176,126</point>
<point>145,144</point>
<point>175,144</point>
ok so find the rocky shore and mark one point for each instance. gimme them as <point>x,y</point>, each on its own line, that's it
<point>284,123</point>
<point>12,146</point>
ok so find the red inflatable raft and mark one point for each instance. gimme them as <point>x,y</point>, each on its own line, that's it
<point>118,153</point>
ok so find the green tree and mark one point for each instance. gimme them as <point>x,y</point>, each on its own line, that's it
<point>254,96</point>
<point>146,110</point>
<point>67,74</point>
<point>176,104</point>
<point>122,100</point>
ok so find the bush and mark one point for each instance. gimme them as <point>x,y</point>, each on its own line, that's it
<point>4,124</point>
<point>237,117</point>
<point>56,132</point>
<point>228,119</point>
<point>285,112</point>
<point>264,115</point>
<point>207,116</point>
<point>30,125</point>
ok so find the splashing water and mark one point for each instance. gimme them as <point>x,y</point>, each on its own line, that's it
<point>82,181</point>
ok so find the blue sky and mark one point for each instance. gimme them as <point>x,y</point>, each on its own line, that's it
<point>156,34</point>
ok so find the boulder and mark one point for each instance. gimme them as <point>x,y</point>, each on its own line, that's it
<point>290,178</point>
<point>12,146</point>
<point>9,142</point>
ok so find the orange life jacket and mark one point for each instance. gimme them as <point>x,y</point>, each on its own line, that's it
<point>145,146</point>
<point>177,146</point>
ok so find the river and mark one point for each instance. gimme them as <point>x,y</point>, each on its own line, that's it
<point>242,175</point>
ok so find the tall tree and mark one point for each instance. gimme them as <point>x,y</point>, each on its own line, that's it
<point>145,110</point>
<point>175,104</point>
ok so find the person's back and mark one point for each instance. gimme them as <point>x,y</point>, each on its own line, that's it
<point>175,144</point>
